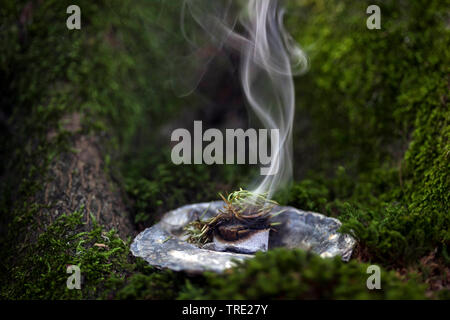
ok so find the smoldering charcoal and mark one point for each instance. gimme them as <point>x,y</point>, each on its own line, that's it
<point>164,244</point>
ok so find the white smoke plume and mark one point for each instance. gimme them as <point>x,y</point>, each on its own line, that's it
<point>269,58</point>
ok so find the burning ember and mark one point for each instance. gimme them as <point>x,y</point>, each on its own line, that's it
<point>243,224</point>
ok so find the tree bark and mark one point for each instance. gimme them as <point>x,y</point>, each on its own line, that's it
<point>78,181</point>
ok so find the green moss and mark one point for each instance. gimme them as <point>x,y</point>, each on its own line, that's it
<point>377,105</point>
<point>309,195</point>
<point>295,274</point>
<point>159,285</point>
<point>40,271</point>
<point>165,186</point>
<point>107,269</point>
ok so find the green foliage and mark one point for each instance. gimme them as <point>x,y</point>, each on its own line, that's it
<point>159,285</point>
<point>165,186</point>
<point>107,271</point>
<point>309,195</point>
<point>41,273</point>
<point>378,111</point>
<point>295,274</point>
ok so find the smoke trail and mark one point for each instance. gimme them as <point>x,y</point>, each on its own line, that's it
<point>269,58</point>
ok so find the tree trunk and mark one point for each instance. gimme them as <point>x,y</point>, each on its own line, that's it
<point>78,181</point>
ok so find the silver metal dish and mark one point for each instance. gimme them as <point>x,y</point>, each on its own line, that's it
<point>164,244</point>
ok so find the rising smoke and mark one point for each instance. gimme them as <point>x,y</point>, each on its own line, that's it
<point>269,58</point>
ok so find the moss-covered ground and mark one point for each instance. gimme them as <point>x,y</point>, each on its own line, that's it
<point>371,148</point>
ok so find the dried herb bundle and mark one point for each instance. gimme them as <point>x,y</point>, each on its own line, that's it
<point>243,211</point>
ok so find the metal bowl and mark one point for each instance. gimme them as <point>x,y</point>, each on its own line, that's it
<point>164,244</point>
